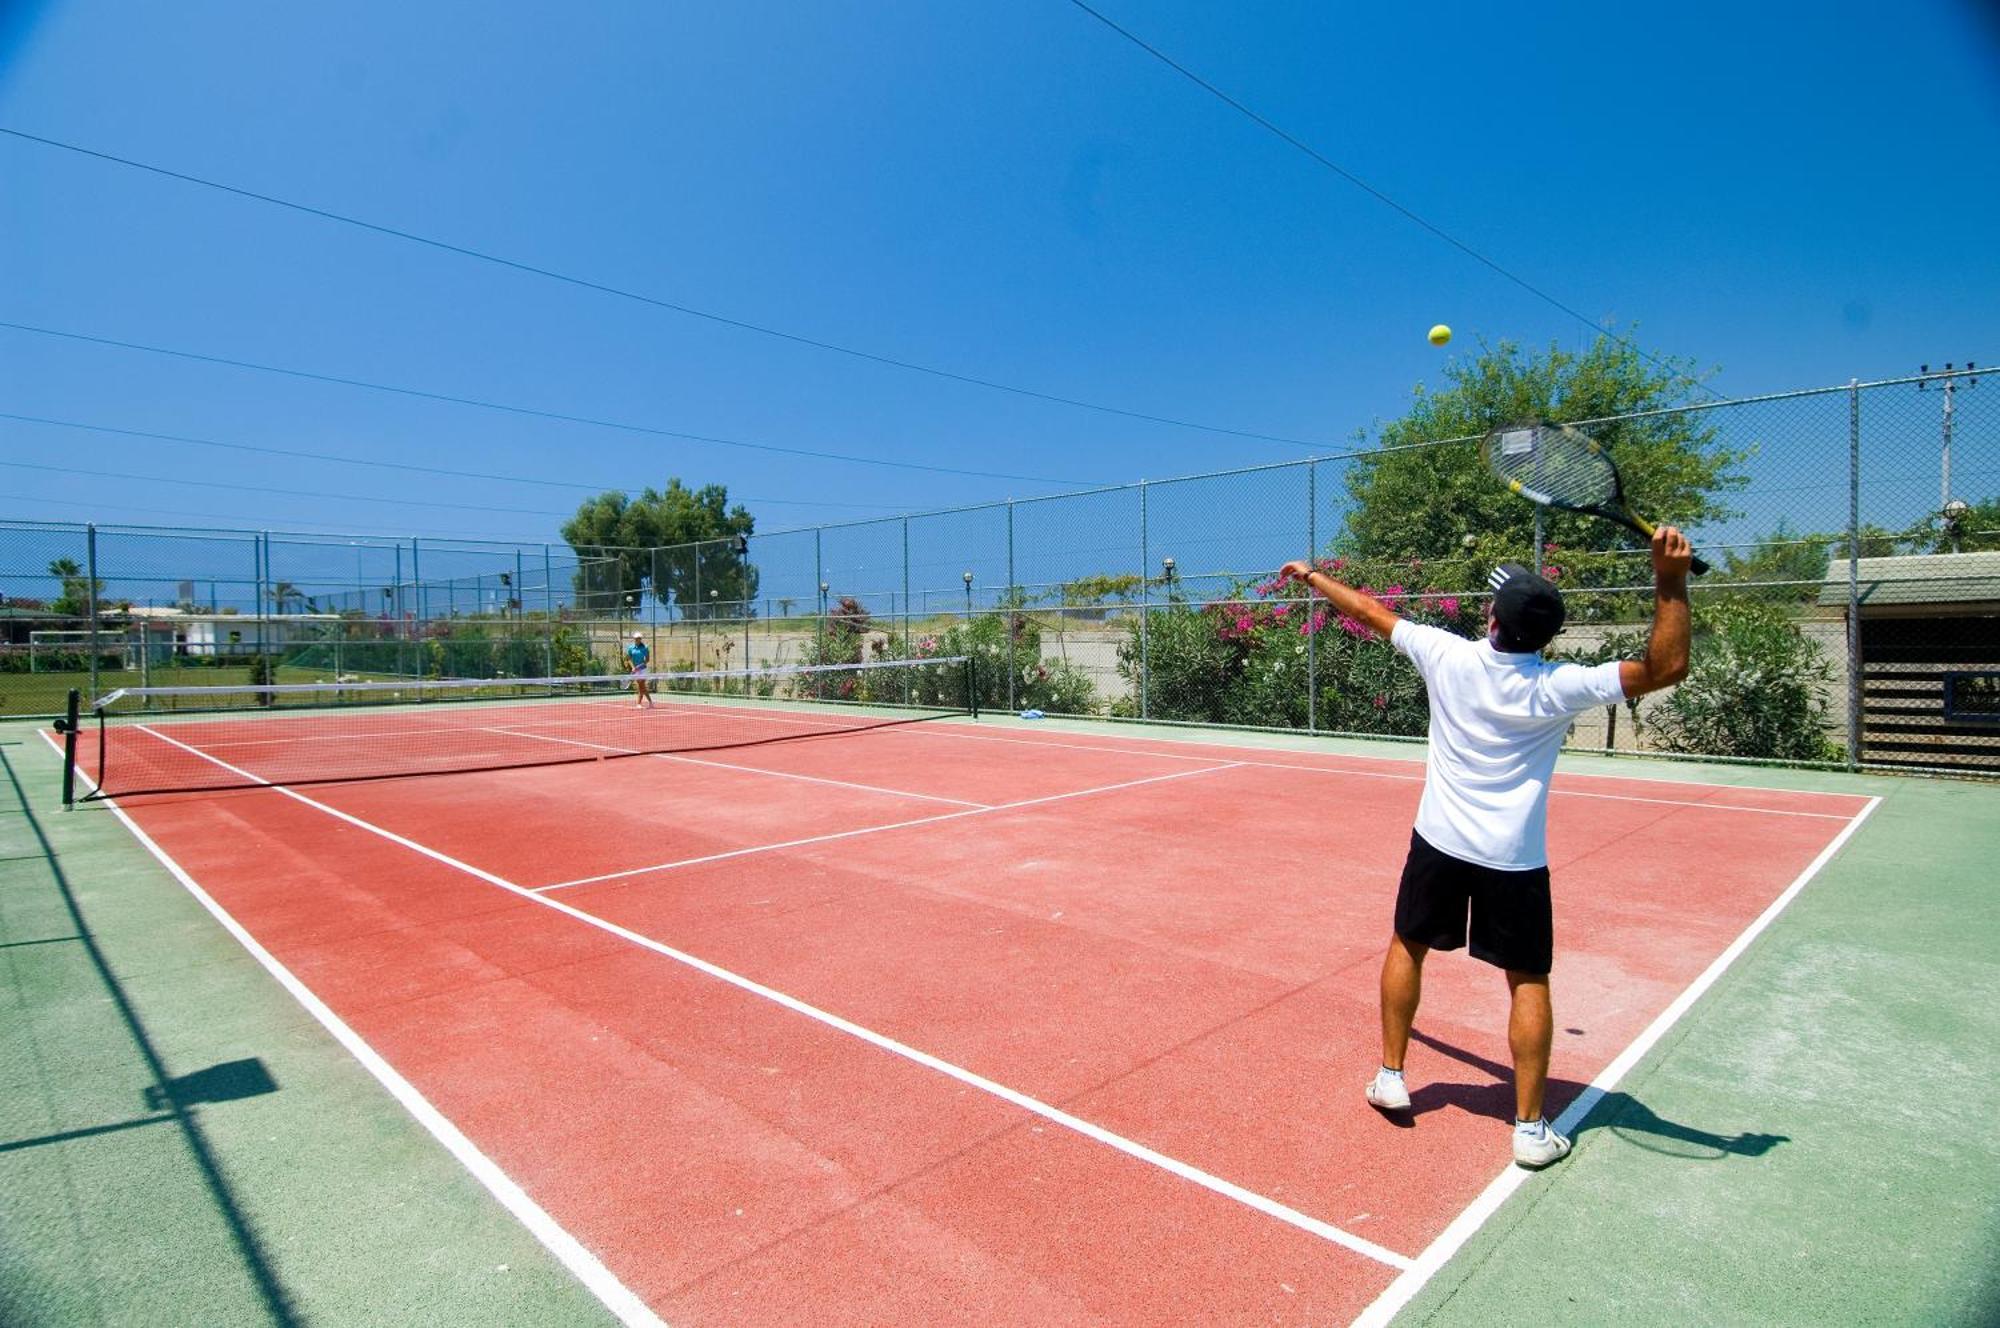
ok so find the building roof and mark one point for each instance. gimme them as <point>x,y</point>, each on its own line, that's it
<point>1922,578</point>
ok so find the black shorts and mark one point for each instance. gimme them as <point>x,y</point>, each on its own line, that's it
<point>1513,926</point>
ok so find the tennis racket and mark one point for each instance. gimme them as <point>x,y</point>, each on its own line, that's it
<point>1557,466</point>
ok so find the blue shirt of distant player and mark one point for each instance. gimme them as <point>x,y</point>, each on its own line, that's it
<point>638,654</point>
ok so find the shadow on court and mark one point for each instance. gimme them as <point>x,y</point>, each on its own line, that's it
<point>1621,1113</point>
<point>170,1099</point>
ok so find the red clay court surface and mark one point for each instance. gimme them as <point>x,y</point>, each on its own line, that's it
<point>964,1022</point>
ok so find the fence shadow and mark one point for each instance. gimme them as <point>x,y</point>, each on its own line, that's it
<point>172,1097</point>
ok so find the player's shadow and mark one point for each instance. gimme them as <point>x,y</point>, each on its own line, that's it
<point>1632,1120</point>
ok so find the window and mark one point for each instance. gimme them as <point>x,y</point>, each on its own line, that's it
<point>1972,697</point>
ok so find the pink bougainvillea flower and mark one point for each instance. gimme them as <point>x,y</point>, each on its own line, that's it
<point>1552,571</point>
<point>1353,626</point>
<point>1281,611</point>
<point>1450,606</point>
<point>1381,700</point>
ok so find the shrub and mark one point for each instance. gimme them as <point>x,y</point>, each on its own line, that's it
<point>1186,662</point>
<point>1756,687</point>
<point>1245,660</point>
<point>996,646</point>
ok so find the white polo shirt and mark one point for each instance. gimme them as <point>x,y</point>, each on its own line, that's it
<point>1497,721</point>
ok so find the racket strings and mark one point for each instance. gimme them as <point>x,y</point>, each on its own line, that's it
<point>1563,466</point>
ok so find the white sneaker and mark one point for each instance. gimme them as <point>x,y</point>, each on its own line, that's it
<point>1387,1092</point>
<point>1536,1148</point>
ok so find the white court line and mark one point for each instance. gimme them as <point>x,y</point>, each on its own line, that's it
<point>945,732</point>
<point>874,829</point>
<point>570,1252</point>
<point>1215,1184</point>
<point>1439,1251</point>
<point>746,769</point>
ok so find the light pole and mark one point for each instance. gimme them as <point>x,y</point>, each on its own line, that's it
<point>968,597</point>
<point>1167,575</point>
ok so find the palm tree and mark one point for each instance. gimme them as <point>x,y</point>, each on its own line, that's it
<point>284,593</point>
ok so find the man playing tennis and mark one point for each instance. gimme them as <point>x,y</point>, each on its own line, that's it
<point>636,655</point>
<point>1499,712</point>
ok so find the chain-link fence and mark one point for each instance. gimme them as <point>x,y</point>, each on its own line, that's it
<point>1853,615</point>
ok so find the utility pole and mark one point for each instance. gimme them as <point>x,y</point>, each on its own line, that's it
<point>1947,380</point>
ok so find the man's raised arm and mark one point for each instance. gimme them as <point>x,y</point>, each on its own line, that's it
<point>1345,598</point>
<point>1666,660</point>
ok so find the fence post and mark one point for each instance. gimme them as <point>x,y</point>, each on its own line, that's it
<point>1853,574</point>
<point>423,598</point>
<point>393,610</point>
<point>906,607</point>
<point>90,601</point>
<point>1312,637</point>
<point>549,612</point>
<point>1145,608</point>
<point>261,549</point>
<point>819,581</point>
<point>1013,610</point>
<point>700,605</point>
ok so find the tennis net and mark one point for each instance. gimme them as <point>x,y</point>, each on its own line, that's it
<point>195,739</point>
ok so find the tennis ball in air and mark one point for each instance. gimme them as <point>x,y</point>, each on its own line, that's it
<point>1440,334</point>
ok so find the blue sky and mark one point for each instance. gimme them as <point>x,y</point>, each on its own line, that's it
<point>1795,195</point>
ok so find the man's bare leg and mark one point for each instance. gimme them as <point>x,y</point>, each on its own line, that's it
<point>1530,1028</point>
<point>1402,989</point>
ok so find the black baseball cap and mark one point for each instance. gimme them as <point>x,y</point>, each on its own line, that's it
<point>1528,607</point>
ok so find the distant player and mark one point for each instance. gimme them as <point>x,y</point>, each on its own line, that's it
<point>1498,715</point>
<point>636,655</point>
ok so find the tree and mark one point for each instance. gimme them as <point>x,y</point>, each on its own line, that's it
<point>78,590</point>
<point>285,595</point>
<point>1424,489</point>
<point>680,543</point>
<point>1793,564</point>
<point>1972,528</point>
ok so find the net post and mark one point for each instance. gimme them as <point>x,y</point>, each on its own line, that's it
<point>71,710</point>
<point>972,685</point>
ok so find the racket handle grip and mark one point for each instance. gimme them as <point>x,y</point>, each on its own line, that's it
<point>1697,566</point>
